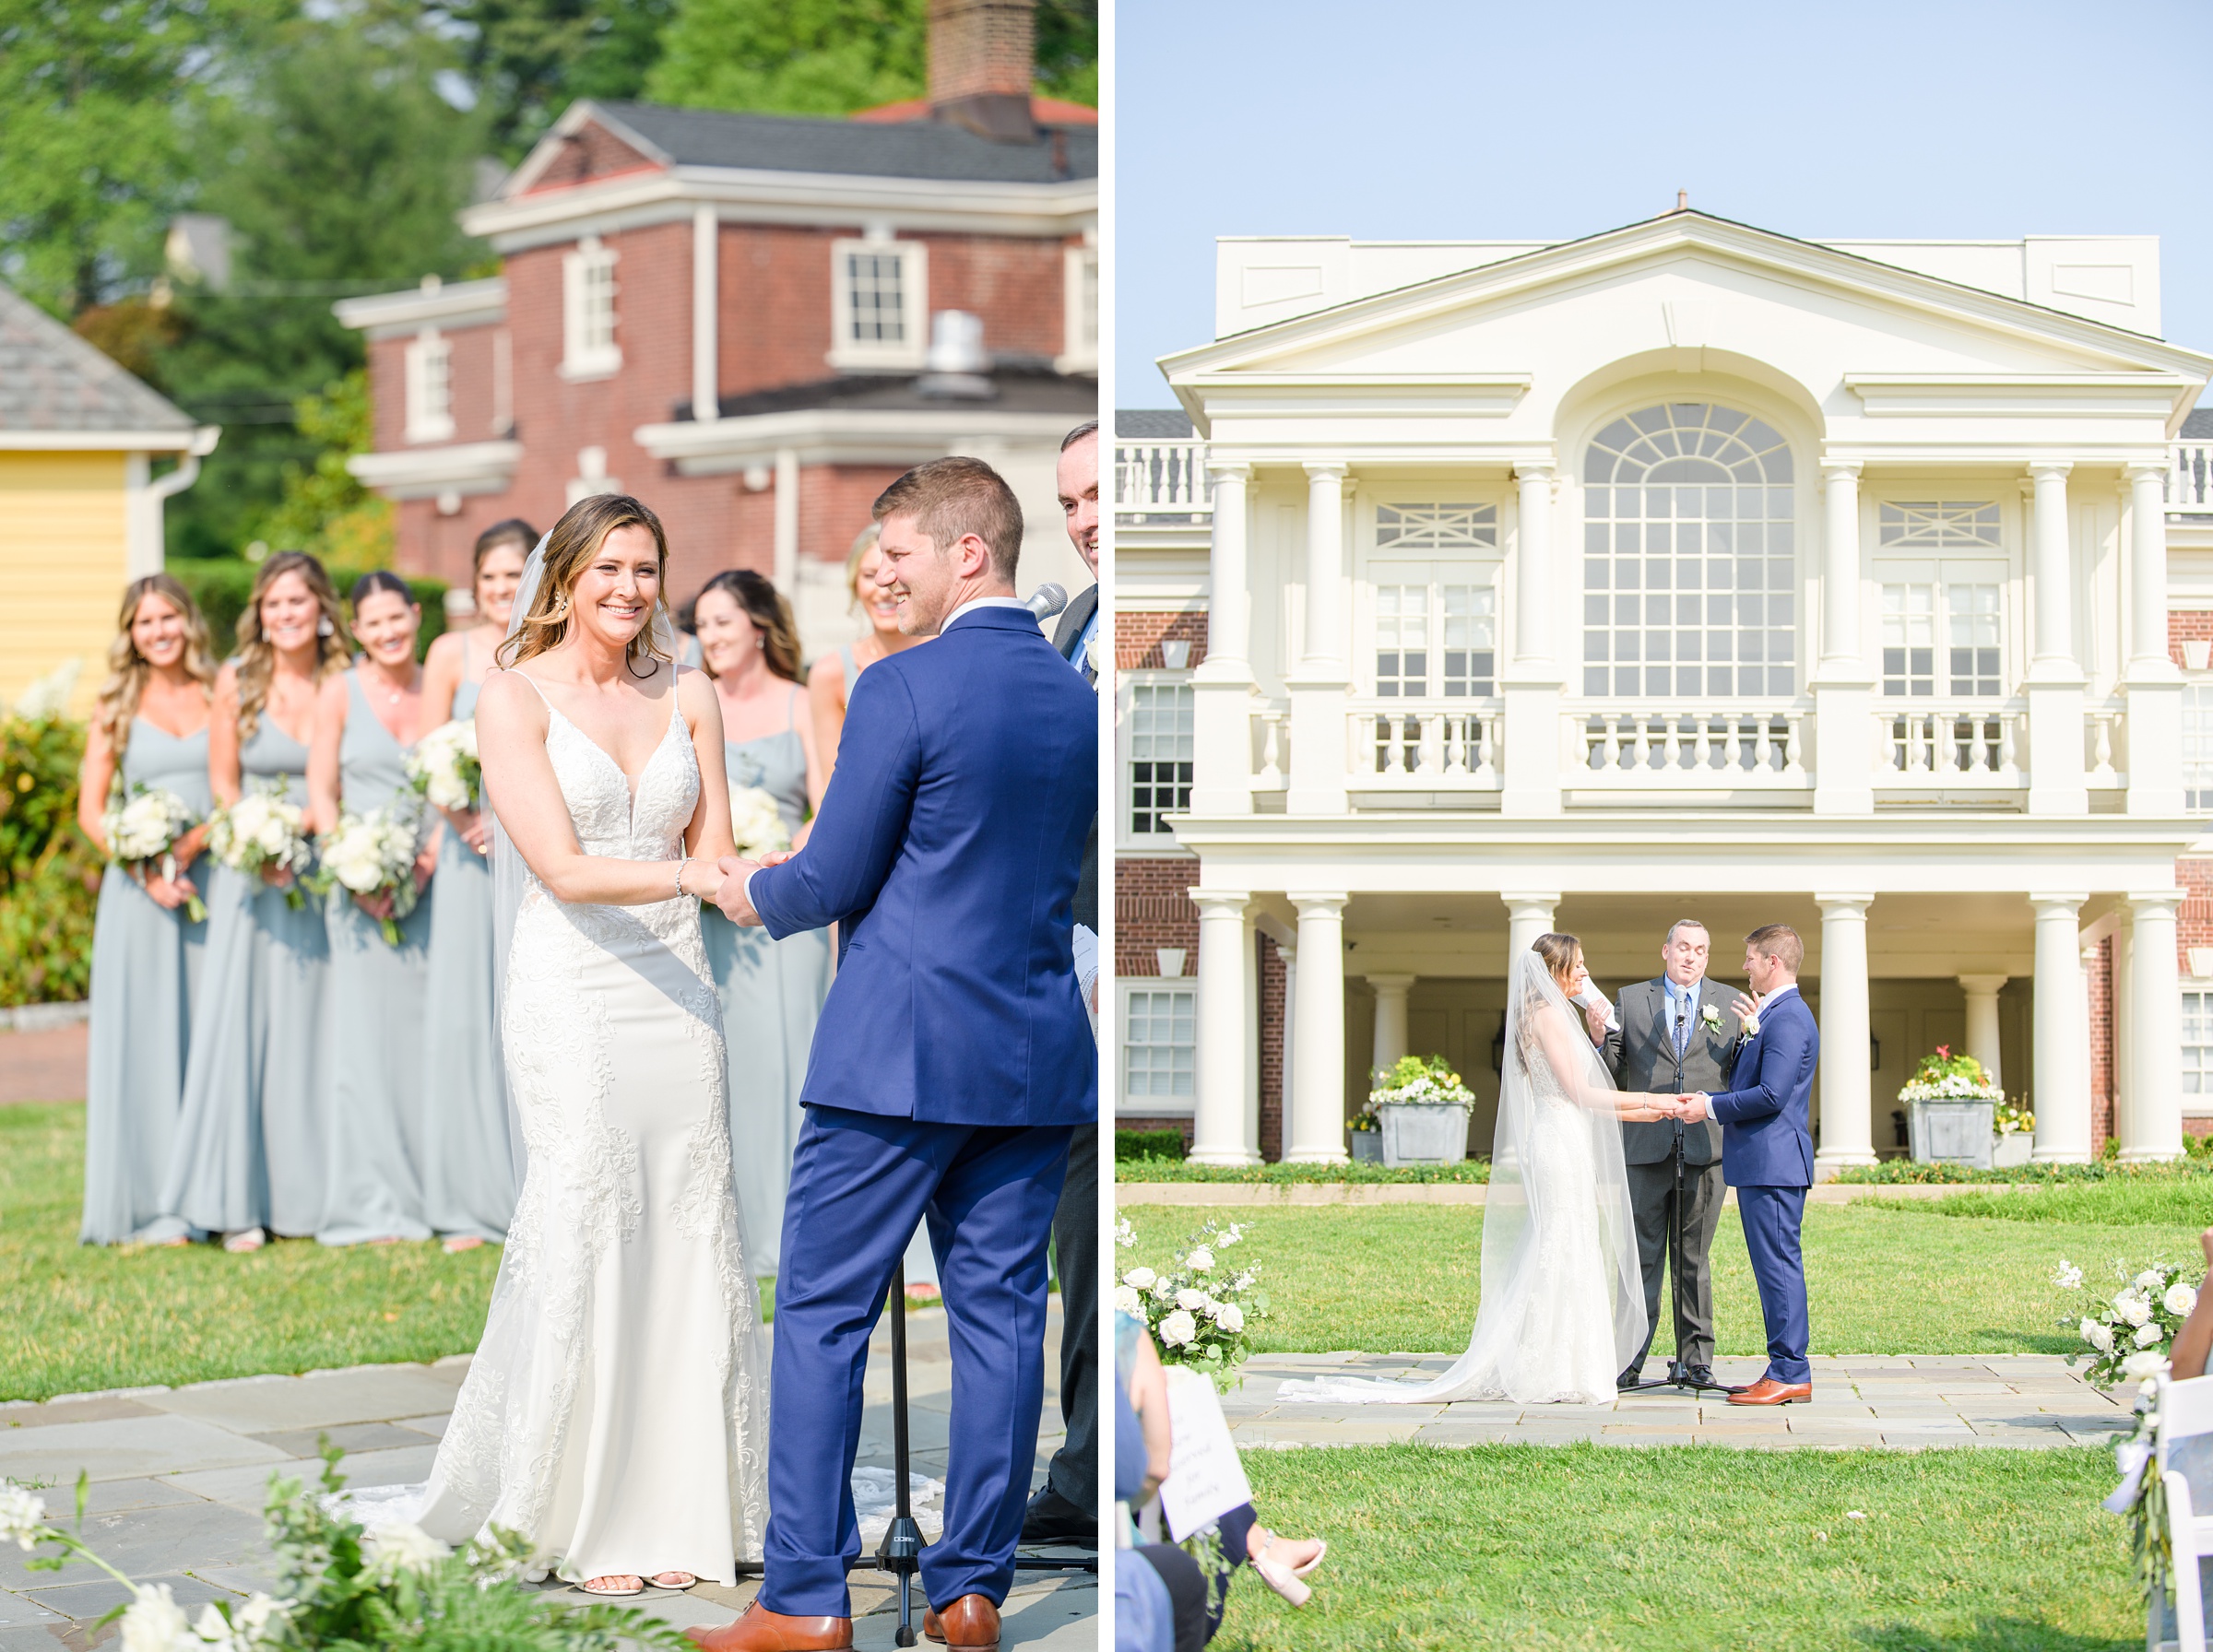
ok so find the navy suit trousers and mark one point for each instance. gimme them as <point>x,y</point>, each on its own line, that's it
<point>1772,1216</point>
<point>859,1183</point>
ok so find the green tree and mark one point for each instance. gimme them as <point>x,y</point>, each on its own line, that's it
<point>323,508</point>
<point>1068,50</point>
<point>527,59</point>
<point>792,56</point>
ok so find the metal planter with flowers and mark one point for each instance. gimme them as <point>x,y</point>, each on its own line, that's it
<point>1951,1110</point>
<point>1421,1110</point>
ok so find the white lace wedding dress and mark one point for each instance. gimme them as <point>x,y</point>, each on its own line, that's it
<point>1562,1310</point>
<point>616,1410</point>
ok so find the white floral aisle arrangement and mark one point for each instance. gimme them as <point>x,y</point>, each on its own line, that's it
<point>443,768</point>
<point>143,829</point>
<point>1199,1310</point>
<point>2141,1497</point>
<point>264,832</point>
<point>347,1586</point>
<point>1418,1081</point>
<point>1945,1076</point>
<point>756,822</point>
<point>2127,1337</point>
<point>373,855</point>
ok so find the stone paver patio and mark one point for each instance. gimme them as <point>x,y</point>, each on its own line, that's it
<point>178,1477</point>
<point>1907,1400</point>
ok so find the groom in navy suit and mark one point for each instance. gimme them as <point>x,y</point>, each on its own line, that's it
<point>1768,1153</point>
<point>951,1063</point>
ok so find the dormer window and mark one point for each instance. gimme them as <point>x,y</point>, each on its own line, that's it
<point>587,309</point>
<point>429,388</point>
<point>879,304</point>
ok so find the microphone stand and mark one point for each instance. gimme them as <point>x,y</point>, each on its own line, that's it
<point>1678,1369</point>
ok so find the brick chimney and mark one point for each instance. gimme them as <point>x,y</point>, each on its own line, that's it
<point>980,64</point>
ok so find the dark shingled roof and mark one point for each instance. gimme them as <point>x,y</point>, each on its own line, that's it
<point>51,379</point>
<point>1152,424</point>
<point>2199,423</point>
<point>912,150</point>
<point>1022,388</point>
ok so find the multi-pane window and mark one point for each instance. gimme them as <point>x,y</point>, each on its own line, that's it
<point>1938,524</point>
<point>1160,755</point>
<point>1400,528</point>
<point>1436,639</point>
<point>1081,308</point>
<point>1941,635</point>
<point>429,388</point>
<point>878,297</point>
<point>875,298</point>
<point>1402,639</point>
<point>1972,615</point>
<point>1689,556</point>
<point>1160,1046</point>
<point>2197,1043</point>
<point>1909,641</point>
<point>2198,743</point>
<point>589,310</point>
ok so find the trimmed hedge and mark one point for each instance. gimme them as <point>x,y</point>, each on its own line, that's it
<point>1476,1171</point>
<point>49,872</point>
<point>1130,1145</point>
<point>1905,1172</point>
<point>221,584</point>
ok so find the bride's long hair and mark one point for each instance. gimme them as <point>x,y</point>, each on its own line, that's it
<point>562,557</point>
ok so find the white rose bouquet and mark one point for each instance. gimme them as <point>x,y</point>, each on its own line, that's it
<point>756,822</point>
<point>1199,1310</point>
<point>444,769</point>
<point>143,829</point>
<point>264,832</point>
<point>2127,1335</point>
<point>369,855</point>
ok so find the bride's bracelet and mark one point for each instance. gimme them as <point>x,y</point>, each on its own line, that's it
<point>680,875</point>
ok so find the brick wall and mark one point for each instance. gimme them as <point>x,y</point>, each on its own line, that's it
<point>1152,908</point>
<point>590,154</point>
<point>2187,624</point>
<point>1138,637</point>
<point>2100,980</point>
<point>1274,979</point>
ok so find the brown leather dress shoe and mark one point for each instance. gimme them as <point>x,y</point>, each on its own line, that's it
<point>969,1625</point>
<point>1768,1391</point>
<point>760,1630</point>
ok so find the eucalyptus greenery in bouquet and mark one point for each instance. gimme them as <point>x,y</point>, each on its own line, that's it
<point>1199,1310</point>
<point>2127,1336</point>
<point>2142,1498</point>
<point>1418,1081</point>
<point>264,830</point>
<point>1945,1076</point>
<point>348,1587</point>
<point>143,829</point>
<point>373,855</point>
<point>442,766</point>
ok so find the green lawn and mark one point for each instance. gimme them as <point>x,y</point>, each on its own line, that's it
<point>1686,1549</point>
<point>1962,1275</point>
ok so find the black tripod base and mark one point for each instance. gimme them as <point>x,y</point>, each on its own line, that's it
<point>1681,1381</point>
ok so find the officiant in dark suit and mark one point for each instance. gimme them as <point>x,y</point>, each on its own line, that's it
<point>1677,1033</point>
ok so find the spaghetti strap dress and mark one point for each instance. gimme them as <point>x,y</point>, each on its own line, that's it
<point>145,968</point>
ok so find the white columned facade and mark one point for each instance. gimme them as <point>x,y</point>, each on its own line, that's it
<point>2154,1025</point>
<point>1218,1110</point>
<point>1847,1112</point>
<point>1983,1021</point>
<point>1318,736</point>
<point>1391,1019</point>
<point>1223,684</point>
<point>1527,917</point>
<point>1314,1127</point>
<point>1843,687</point>
<point>1530,783</point>
<point>2060,1043</point>
<point>2154,686</point>
<point>2055,681</point>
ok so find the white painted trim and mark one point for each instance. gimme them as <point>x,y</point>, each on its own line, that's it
<point>400,315</point>
<point>2069,395</point>
<point>143,496</point>
<point>1079,347</point>
<point>840,436</point>
<point>581,360</point>
<point>421,422</point>
<point>1147,1108</point>
<point>706,276</point>
<point>849,355</point>
<point>107,441</point>
<point>424,473</point>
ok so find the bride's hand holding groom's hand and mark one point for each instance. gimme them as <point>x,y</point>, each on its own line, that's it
<point>735,870</point>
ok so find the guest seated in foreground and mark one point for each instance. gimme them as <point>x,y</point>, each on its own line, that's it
<point>2194,1340</point>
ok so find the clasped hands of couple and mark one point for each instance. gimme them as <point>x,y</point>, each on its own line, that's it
<point>729,893</point>
<point>1692,1107</point>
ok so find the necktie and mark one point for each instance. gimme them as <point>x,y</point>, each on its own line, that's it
<point>1682,1012</point>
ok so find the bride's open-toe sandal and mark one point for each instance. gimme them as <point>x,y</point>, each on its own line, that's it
<point>245,1241</point>
<point>606,1586</point>
<point>673,1580</point>
<point>1278,1576</point>
<point>1322,1548</point>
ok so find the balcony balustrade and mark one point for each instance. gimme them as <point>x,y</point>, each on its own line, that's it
<point>1727,747</point>
<point>1423,745</point>
<point>1160,478</point>
<point>2190,477</point>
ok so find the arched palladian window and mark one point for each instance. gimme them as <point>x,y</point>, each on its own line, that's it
<point>1689,557</point>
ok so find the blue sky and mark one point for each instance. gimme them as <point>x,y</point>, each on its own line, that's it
<point>1406,119</point>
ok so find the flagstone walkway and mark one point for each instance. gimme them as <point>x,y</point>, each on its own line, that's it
<point>178,1476</point>
<point>1910,1401</point>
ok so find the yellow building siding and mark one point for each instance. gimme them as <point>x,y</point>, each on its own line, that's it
<point>64,556</point>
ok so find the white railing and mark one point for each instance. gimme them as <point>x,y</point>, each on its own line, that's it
<point>1271,730</point>
<point>2190,477</point>
<point>1670,749</point>
<point>1948,745</point>
<point>1423,745</point>
<point>2102,737</point>
<point>1167,478</point>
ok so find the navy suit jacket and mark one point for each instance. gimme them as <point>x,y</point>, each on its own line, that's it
<point>1767,1133</point>
<point>947,850</point>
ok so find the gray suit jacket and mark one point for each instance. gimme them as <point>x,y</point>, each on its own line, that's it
<point>1643,1058</point>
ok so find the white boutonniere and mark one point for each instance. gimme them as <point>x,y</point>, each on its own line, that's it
<point>1751,1025</point>
<point>1093,656</point>
<point>1710,1018</point>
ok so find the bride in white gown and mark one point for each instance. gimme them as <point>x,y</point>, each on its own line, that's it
<point>1562,1310</point>
<point>616,1410</point>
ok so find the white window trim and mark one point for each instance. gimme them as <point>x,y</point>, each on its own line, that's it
<point>1487,565</point>
<point>422,424</point>
<point>1127,683</point>
<point>849,355</point>
<point>1080,346</point>
<point>1124,1104</point>
<point>2011,556</point>
<point>580,360</point>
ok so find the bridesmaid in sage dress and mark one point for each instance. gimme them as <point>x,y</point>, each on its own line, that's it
<point>368,720</point>
<point>468,1184</point>
<point>250,1142</point>
<point>771,990</point>
<point>150,728</point>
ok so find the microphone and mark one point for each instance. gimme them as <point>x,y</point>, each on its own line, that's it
<point>1046,600</point>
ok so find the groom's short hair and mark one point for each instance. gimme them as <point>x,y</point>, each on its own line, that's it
<point>950,498</point>
<point>1779,941</point>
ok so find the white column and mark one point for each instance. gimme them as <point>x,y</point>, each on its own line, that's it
<point>1527,917</point>
<point>1391,1019</point>
<point>1532,566</point>
<point>1218,1115</point>
<point>1318,731</point>
<point>1325,563</point>
<point>706,405</point>
<point>1983,1021</point>
<point>1843,688</point>
<point>2061,1095</point>
<point>1222,686</point>
<point>1314,1122</point>
<point>2052,566</point>
<point>1531,738</point>
<point>1847,1110</point>
<point>2154,736</point>
<point>2156,1030</point>
<point>2122,1030</point>
<point>1840,567</point>
<point>1249,1106</point>
<point>787,544</point>
<point>2055,686</point>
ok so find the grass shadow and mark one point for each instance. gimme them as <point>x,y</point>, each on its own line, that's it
<point>1989,1634</point>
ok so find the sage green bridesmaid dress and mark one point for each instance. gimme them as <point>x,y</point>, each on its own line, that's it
<point>145,970</point>
<point>377,997</point>
<point>250,1139</point>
